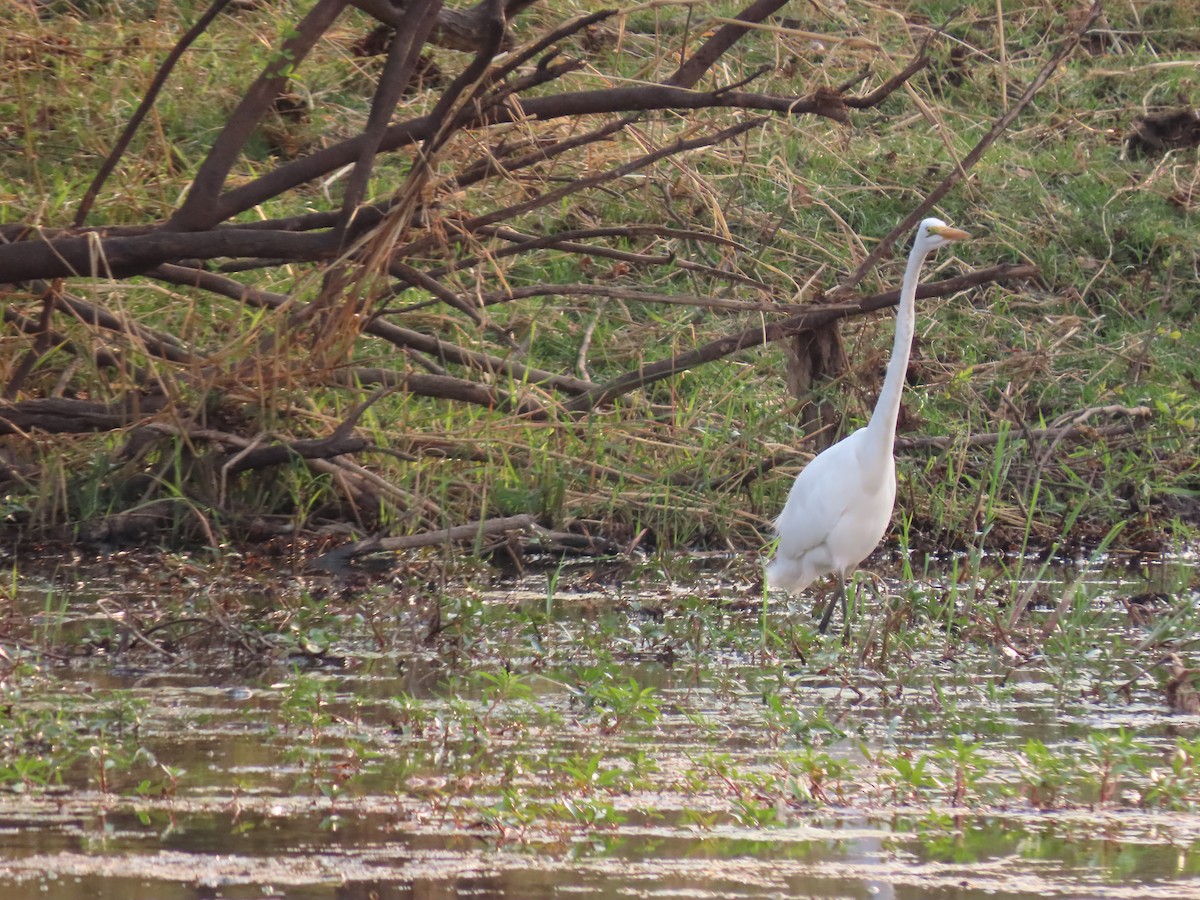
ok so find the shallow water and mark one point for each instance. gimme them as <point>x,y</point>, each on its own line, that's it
<point>363,751</point>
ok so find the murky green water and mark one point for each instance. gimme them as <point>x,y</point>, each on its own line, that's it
<point>552,738</point>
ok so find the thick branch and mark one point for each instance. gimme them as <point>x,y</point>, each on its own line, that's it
<point>754,337</point>
<point>199,209</point>
<point>97,257</point>
<point>62,415</point>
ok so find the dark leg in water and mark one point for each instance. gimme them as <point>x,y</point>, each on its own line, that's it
<point>828,614</point>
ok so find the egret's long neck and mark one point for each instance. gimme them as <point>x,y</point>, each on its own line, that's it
<point>882,428</point>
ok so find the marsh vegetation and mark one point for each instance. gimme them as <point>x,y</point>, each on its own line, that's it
<point>598,733</point>
<point>609,339</point>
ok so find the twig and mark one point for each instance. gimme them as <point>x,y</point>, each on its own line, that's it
<point>754,337</point>
<point>960,171</point>
<point>201,208</point>
<point>1053,434</point>
<point>156,86</point>
<point>519,57</point>
<point>585,342</point>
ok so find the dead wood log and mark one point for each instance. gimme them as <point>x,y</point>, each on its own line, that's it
<point>336,560</point>
<point>63,415</point>
<point>153,517</point>
<point>815,355</point>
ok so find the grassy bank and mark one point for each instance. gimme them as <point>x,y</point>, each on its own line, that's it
<point>704,458</point>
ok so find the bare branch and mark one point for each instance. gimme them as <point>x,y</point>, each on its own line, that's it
<point>693,69</point>
<point>403,56</point>
<point>1055,434</point>
<point>64,415</point>
<point>147,102</point>
<point>95,257</point>
<point>199,209</point>
<point>470,532</point>
<point>336,444</point>
<point>753,337</point>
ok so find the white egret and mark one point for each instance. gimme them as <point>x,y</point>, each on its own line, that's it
<point>841,502</point>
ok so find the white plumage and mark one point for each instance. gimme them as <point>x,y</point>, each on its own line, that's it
<point>841,502</point>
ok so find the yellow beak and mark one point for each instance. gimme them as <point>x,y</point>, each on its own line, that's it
<point>951,234</point>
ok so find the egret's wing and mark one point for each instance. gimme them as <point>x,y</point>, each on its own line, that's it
<point>820,497</point>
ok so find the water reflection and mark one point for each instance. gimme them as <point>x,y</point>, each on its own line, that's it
<point>419,771</point>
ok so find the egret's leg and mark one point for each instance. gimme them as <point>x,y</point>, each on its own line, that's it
<point>833,601</point>
<point>846,612</point>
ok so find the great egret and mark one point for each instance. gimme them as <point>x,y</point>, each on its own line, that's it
<point>841,502</point>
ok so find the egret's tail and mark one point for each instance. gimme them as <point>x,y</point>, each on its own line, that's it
<point>788,575</point>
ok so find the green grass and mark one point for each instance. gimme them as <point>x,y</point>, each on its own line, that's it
<point>1111,319</point>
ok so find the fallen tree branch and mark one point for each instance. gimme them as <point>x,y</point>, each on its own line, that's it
<point>94,256</point>
<point>144,107</point>
<point>1056,434</point>
<point>335,560</point>
<point>755,337</point>
<point>64,415</point>
<point>200,209</point>
<point>335,444</point>
<point>403,57</point>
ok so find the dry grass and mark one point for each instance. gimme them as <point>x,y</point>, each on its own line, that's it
<point>798,204</point>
